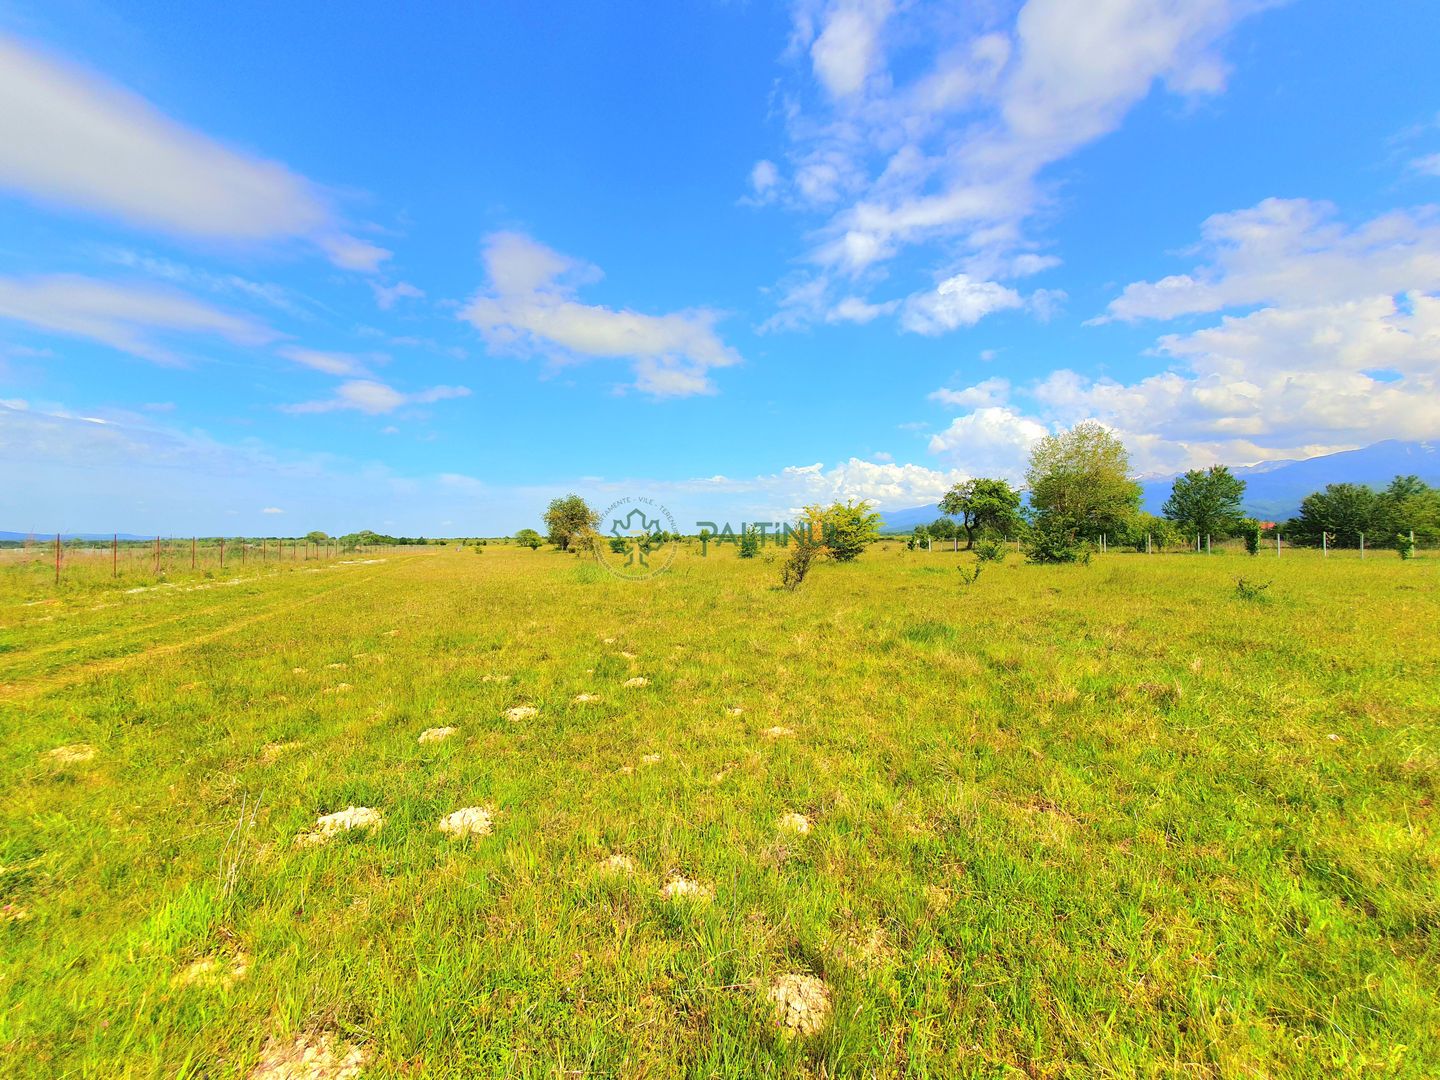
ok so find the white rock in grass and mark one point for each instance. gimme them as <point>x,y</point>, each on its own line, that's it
<point>329,826</point>
<point>522,712</point>
<point>337,667</point>
<point>436,734</point>
<point>471,821</point>
<point>651,759</point>
<point>618,864</point>
<point>72,754</point>
<point>639,680</point>
<point>214,971</point>
<point>494,678</point>
<point>310,1057</point>
<point>338,688</point>
<point>627,655</point>
<point>778,732</point>
<point>683,888</point>
<point>801,1003</point>
<point>796,823</point>
<point>734,710</point>
<point>586,699</point>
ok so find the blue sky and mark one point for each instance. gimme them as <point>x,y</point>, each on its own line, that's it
<point>265,269</point>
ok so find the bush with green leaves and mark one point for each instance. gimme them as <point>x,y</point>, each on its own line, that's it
<point>749,544</point>
<point>970,575</point>
<point>529,538</point>
<point>1051,540</point>
<point>1246,589</point>
<point>1405,545</point>
<point>991,549</point>
<point>1252,539</point>
<point>848,528</point>
<point>802,555</point>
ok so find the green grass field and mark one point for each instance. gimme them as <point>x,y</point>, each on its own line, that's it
<point>1068,821</point>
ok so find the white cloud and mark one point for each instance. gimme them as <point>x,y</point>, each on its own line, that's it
<point>374,398</point>
<point>1429,165</point>
<point>845,51</point>
<point>70,138</point>
<point>989,392</point>
<point>955,302</point>
<point>530,307</point>
<point>386,295</point>
<point>950,143</point>
<point>1336,345</point>
<point>855,310</point>
<point>991,441</point>
<point>331,363</point>
<point>272,510</point>
<point>763,179</point>
<point>1292,252</point>
<point>121,316</point>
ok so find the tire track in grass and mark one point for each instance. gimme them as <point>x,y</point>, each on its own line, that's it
<point>29,686</point>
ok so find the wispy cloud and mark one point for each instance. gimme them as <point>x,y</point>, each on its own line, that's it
<point>71,138</point>
<point>123,317</point>
<point>375,398</point>
<point>950,150</point>
<point>530,306</point>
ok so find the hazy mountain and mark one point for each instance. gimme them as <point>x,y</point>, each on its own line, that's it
<point>1274,489</point>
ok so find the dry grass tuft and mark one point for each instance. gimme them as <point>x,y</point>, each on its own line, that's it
<point>801,1004</point>
<point>683,888</point>
<point>796,823</point>
<point>329,826</point>
<point>471,821</point>
<point>310,1057</point>
<point>72,754</point>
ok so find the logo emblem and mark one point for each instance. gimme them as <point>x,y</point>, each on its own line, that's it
<point>636,543</point>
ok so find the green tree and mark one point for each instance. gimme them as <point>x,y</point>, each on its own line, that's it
<point>568,519</point>
<point>847,528</point>
<point>1206,502</point>
<point>1410,505</point>
<point>1344,511</point>
<point>919,538</point>
<point>749,544</point>
<point>317,537</point>
<point>983,505</point>
<point>529,538</point>
<point>943,529</point>
<point>1080,485</point>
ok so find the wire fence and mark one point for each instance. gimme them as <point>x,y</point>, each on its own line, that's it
<point>163,557</point>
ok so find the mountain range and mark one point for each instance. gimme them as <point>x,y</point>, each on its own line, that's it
<point>1273,489</point>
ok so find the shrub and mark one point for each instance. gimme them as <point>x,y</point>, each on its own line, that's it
<point>619,545</point>
<point>970,575</point>
<point>1405,545</point>
<point>1051,541</point>
<point>1252,540</point>
<point>1250,590</point>
<point>798,564</point>
<point>749,544</point>
<point>991,549</point>
<point>848,529</point>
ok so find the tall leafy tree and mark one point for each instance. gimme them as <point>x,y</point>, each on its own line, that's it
<point>1410,505</point>
<point>983,505</point>
<point>1206,502</point>
<point>1080,483</point>
<point>529,538</point>
<point>1344,511</point>
<point>568,520</point>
